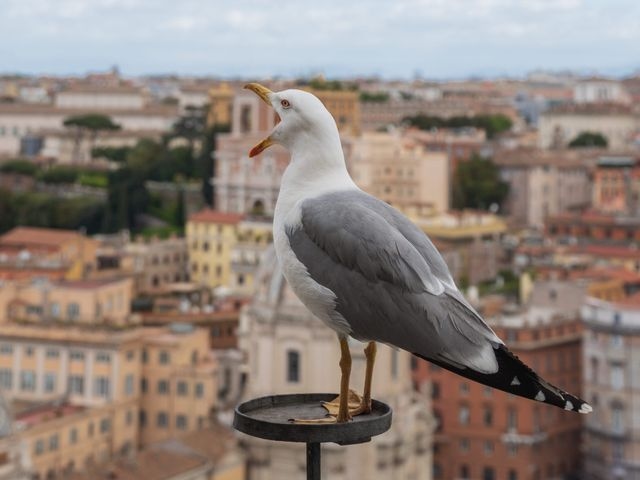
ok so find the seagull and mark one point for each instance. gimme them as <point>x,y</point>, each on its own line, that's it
<point>369,273</point>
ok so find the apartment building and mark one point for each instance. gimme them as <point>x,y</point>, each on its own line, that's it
<point>211,236</point>
<point>488,434</point>
<point>611,373</point>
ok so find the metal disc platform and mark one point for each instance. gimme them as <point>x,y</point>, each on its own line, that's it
<point>270,418</point>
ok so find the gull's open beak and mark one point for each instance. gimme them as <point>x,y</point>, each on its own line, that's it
<point>264,93</point>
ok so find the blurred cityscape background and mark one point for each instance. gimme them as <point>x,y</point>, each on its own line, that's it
<point>140,297</point>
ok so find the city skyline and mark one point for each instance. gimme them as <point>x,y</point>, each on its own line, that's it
<point>429,38</point>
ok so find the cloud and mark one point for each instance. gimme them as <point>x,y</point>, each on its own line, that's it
<point>246,37</point>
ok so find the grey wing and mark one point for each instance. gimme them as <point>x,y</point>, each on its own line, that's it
<point>391,284</point>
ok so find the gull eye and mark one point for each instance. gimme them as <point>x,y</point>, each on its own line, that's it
<point>285,103</point>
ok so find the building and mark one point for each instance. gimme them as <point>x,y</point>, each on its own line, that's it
<point>209,454</point>
<point>255,234</point>
<point>616,185</point>
<point>220,105</point>
<point>459,144</point>
<point>595,228</point>
<point>81,302</point>
<point>179,383</point>
<point>100,97</point>
<point>488,434</point>
<point>211,237</point>
<point>105,392</point>
<point>290,351</point>
<point>474,237</point>
<point>345,108</point>
<point>544,183</point>
<point>400,171</point>
<point>612,340</point>
<point>618,123</point>
<point>598,90</point>
<point>46,249</point>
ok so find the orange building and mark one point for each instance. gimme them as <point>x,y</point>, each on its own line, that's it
<point>488,434</point>
<point>46,252</point>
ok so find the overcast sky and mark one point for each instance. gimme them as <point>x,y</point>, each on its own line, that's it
<point>252,38</point>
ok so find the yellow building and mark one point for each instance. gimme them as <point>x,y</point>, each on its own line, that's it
<point>254,236</point>
<point>220,105</point>
<point>42,248</point>
<point>211,237</point>
<point>344,105</point>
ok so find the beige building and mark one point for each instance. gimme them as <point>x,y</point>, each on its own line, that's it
<point>78,302</point>
<point>544,183</point>
<point>109,391</point>
<point>612,387</point>
<point>617,122</point>
<point>290,351</point>
<point>400,171</point>
<point>178,386</point>
<point>255,234</point>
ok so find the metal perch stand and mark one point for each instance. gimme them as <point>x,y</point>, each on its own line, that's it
<point>269,418</point>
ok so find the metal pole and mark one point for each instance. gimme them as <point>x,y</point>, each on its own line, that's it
<point>313,461</point>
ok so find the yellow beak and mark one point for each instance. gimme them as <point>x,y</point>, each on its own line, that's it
<point>264,93</point>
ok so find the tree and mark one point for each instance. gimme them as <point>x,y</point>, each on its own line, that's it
<point>491,124</point>
<point>477,184</point>
<point>589,139</point>
<point>91,123</point>
<point>20,166</point>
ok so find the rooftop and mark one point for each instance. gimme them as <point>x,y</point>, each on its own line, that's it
<point>215,216</point>
<point>32,236</point>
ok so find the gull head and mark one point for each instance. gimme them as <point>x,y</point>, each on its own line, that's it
<point>304,120</point>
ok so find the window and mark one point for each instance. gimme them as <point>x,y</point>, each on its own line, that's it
<point>595,367</point>
<point>513,475</point>
<point>49,382</point>
<point>435,390</point>
<point>73,310</point>
<point>617,419</point>
<point>128,417</point>
<point>437,471</point>
<point>163,357</point>
<point>464,388</point>
<point>105,425</point>
<point>487,416</point>
<point>464,472</point>
<point>73,436</point>
<point>512,419</point>
<point>293,366</point>
<point>76,384</point>
<point>131,355</point>
<point>53,442</point>
<point>39,448</point>
<point>76,355</point>
<point>6,379</point>
<point>463,415</point>
<point>617,451</point>
<point>163,387</point>
<point>128,385</point>
<point>103,357</point>
<point>464,445</point>
<point>617,377</point>
<point>101,387</point>
<point>143,385</point>
<point>162,420</point>
<point>142,418</point>
<point>181,422</point>
<point>488,473</point>
<point>6,349</point>
<point>488,447</point>
<point>28,380</point>
<point>199,390</point>
<point>90,430</point>
<point>182,388</point>
<point>145,356</point>
<point>28,351</point>
<point>52,353</point>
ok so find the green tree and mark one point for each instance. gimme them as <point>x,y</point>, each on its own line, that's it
<point>115,154</point>
<point>477,184</point>
<point>589,139</point>
<point>7,211</point>
<point>91,124</point>
<point>491,124</point>
<point>20,166</point>
<point>60,174</point>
